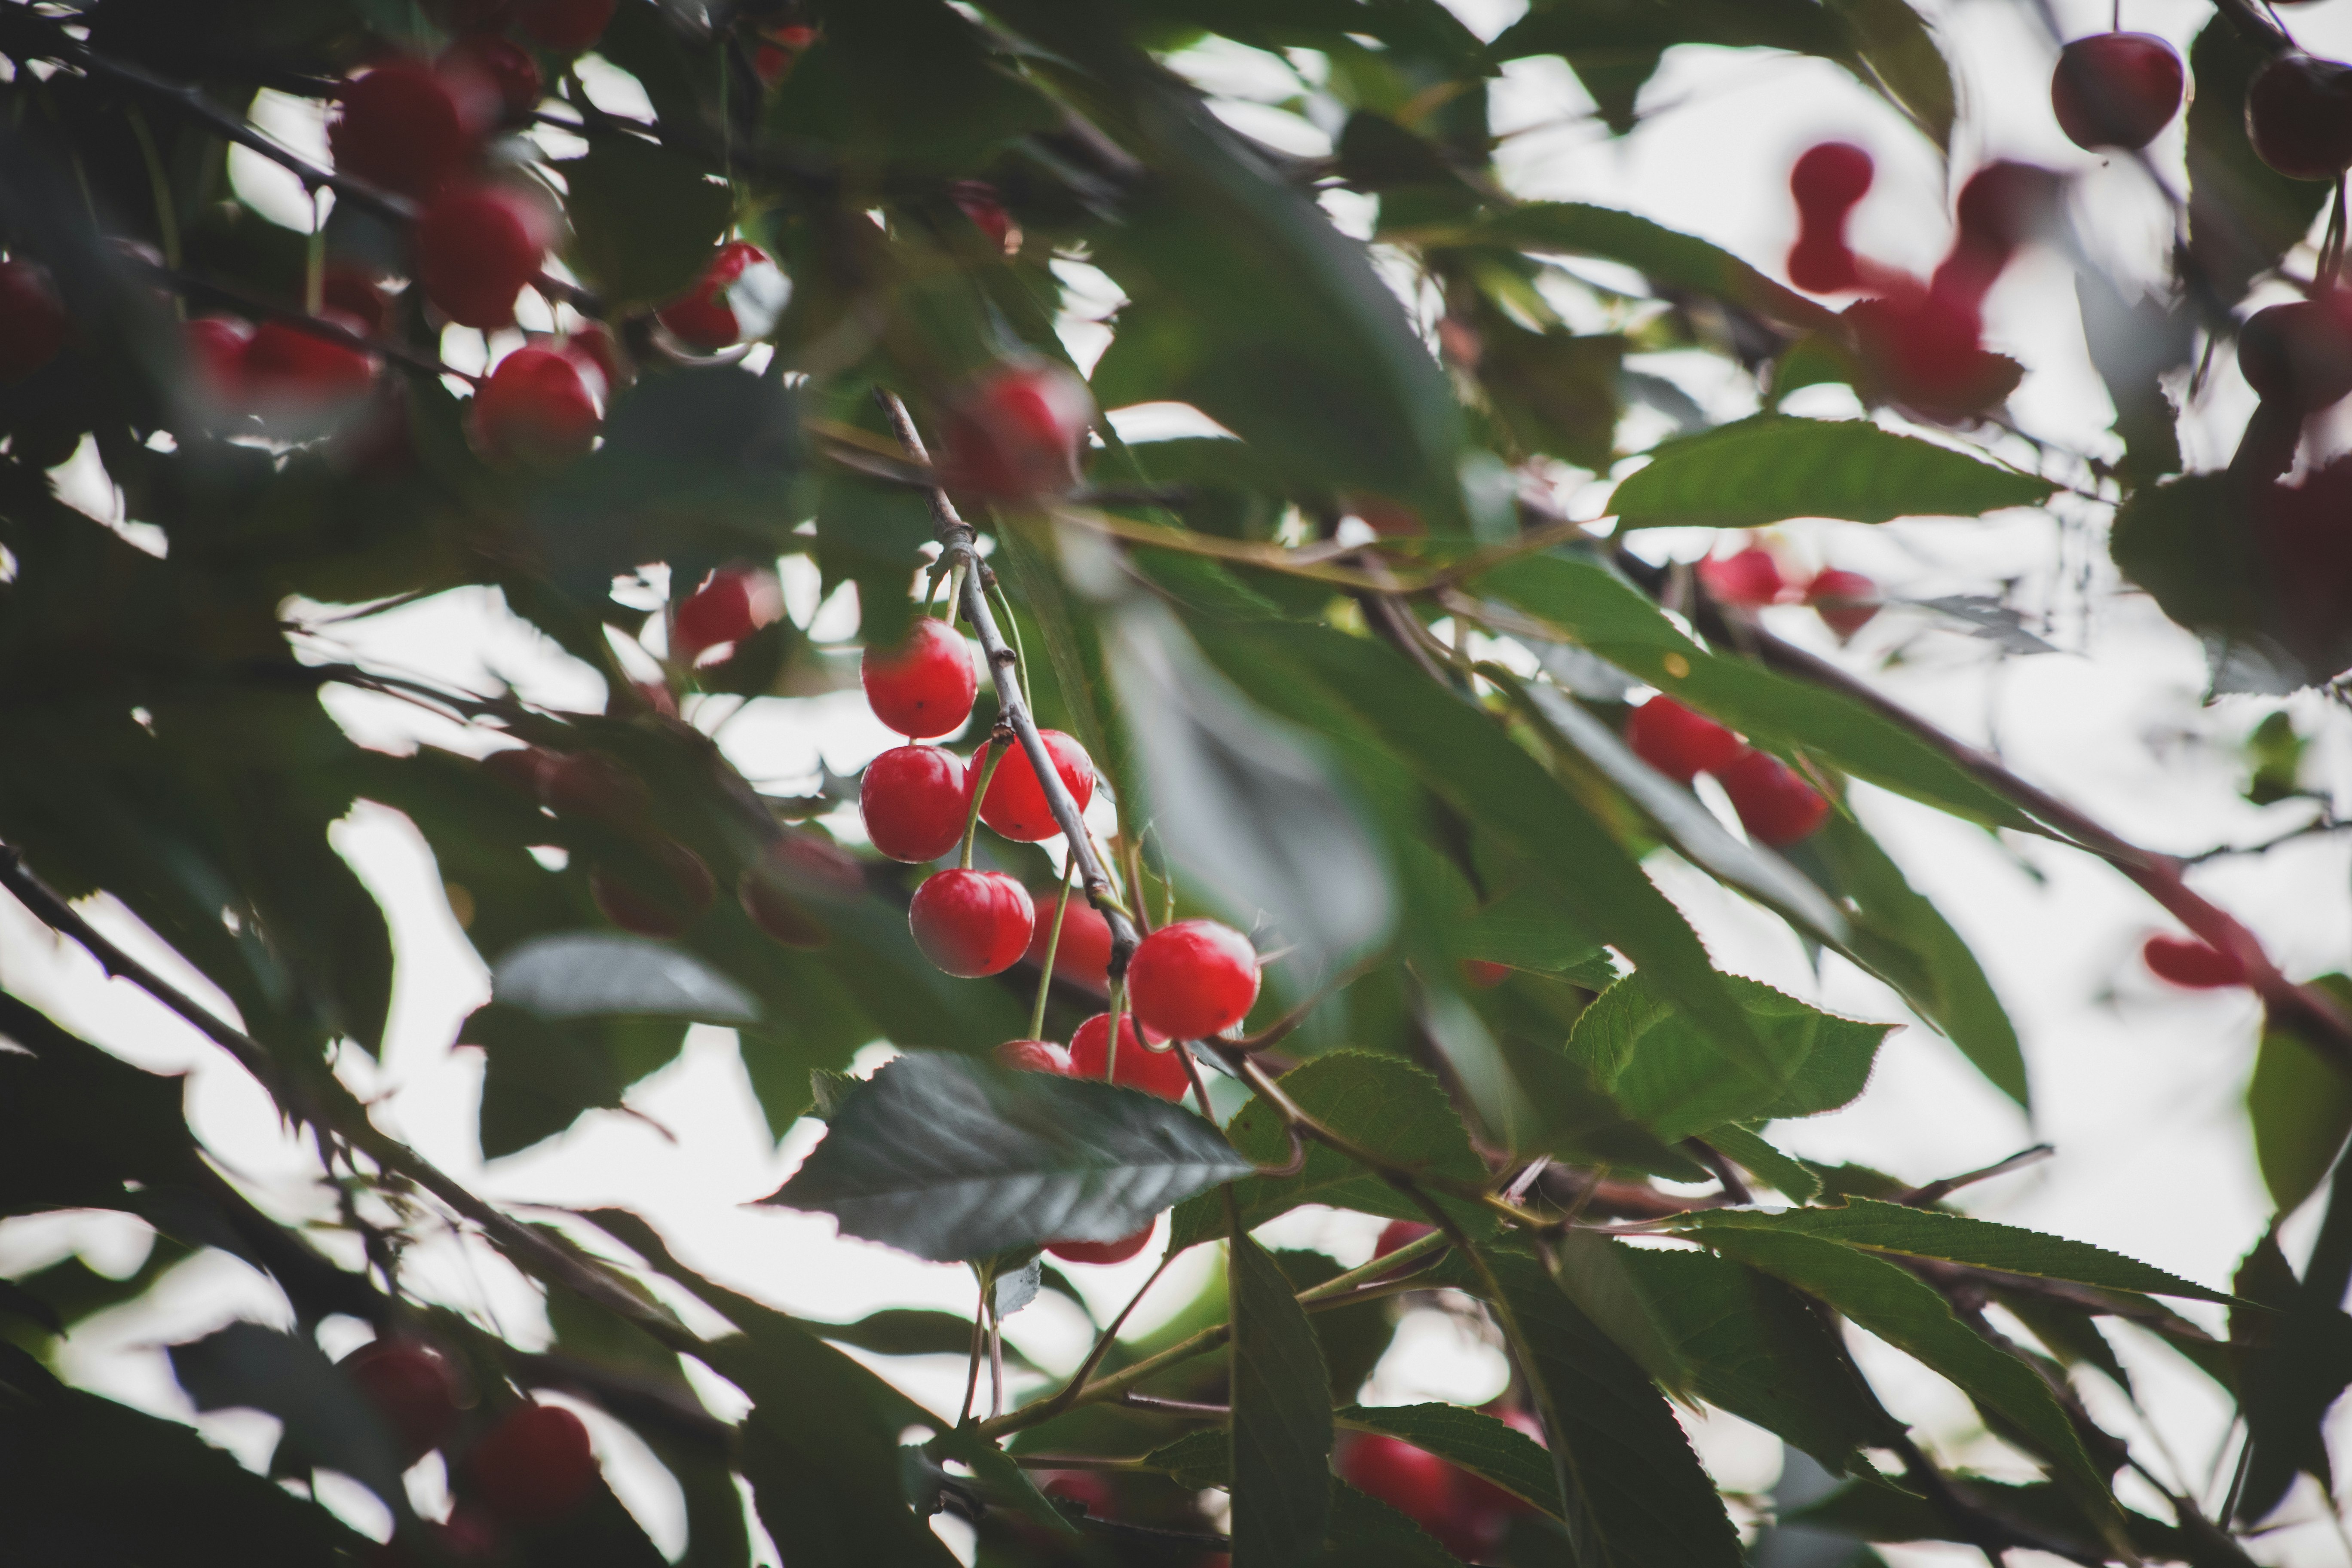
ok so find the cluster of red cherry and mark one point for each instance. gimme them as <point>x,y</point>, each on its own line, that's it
<point>1775,805</point>
<point>534,1466</point>
<point>1750,578</point>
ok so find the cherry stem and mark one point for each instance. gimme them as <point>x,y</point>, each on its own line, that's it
<point>1053,949</point>
<point>1118,1012</point>
<point>995,756</point>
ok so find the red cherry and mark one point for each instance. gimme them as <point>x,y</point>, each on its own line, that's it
<point>1087,1487</point>
<point>1082,956</point>
<point>1414,1481</point>
<point>508,67</point>
<point>1017,433</point>
<point>1824,263</point>
<point>289,371</point>
<point>1483,973</point>
<point>1101,1251</point>
<point>2002,205</point>
<point>923,687</point>
<point>534,409</point>
<point>410,127</point>
<point>567,27</point>
<point>1676,741</point>
<point>534,1466</point>
<point>978,201</point>
<point>1776,806</point>
<point>1015,803</point>
<point>477,245</point>
<point>2116,90</point>
<point>732,603</point>
<point>32,319</point>
<point>1829,179</point>
<point>411,1388</point>
<point>655,911</point>
<point>1923,349</point>
<point>1748,577</point>
<point>1845,600</point>
<point>915,800</point>
<point>971,924</point>
<point>1033,1056</point>
<point>787,866</point>
<point>2185,961</point>
<point>594,347</point>
<point>1193,979</point>
<point>2299,116</point>
<point>1400,1232</point>
<point>739,297</point>
<point>2299,354</point>
<point>216,349</point>
<point>1140,1067</point>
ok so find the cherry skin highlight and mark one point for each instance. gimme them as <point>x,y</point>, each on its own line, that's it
<point>971,924</point>
<point>2116,90</point>
<point>1193,979</point>
<point>924,687</point>
<point>732,603</point>
<point>534,1466</point>
<point>477,247</point>
<point>32,319</point>
<point>535,409</point>
<point>1775,805</point>
<point>2299,116</point>
<point>1033,1056</point>
<point>1154,1072</point>
<point>1101,1251</point>
<point>1082,957</point>
<point>2187,961</point>
<point>410,127</point>
<point>1678,743</point>
<point>1015,803</point>
<point>411,1387</point>
<point>915,800</point>
<point>1017,433</point>
<point>1846,601</point>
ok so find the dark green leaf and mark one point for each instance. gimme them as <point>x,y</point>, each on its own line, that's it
<point>2297,1356</point>
<point>1007,1483</point>
<point>2301,1107</point>
<point>1595,1272</point>
<point>579,973</point>
<point>1473,1439</point>
<point>327,1420</point>
<point>1770,468</point>
<point>1788,1176</point>
<point>950,1158</point>
<point>1872,1509</point>
<point>645,220</point>
<point>1898,51</point>
<point>540,1076</point>
<point>1282,1416</point>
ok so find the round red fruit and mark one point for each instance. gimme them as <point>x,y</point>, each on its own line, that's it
<point>1015,803</point>
<point>739,299</point>
<point>1033,1056</point>
<point>971,924</point>
<point>732,603</point>
<point>289,372</point>
<point>2116,90</point>
<point>2299,116</point>
<point>411,1387</point>
<point>32,319</point>
<point>1775,805</point>
<point>1414,1481</point>
<point>2299,354</point>
<point>1678,743</point>
<point>923,687</point>
<point>535,409</point>
<point>1400,1232</point>
<point>216,349</point>
<point>504,65</point>
<point>1824,263</point>
<point>567,27</point>
<point>477,245</point>
<point>1140,1067</point>
<point>1829,179</point>
<point>1118,1251</point>
<point>1748,577</point>
<point>1082,955</point>
<point>2187,961</point>
<point>410,127</point>
<point>534,1466</point>
<point>1017,433</point>
<point>1193,979</point>
<point>915,800</point>
<point>1845,600</point>
<point>628,901</point>
<point>355,293</point>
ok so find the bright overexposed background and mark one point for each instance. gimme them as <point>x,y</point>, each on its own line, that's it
<point>2138,1085</point>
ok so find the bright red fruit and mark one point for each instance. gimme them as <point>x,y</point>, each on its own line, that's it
<point>477,245</point>
<point>1414,1481</point>
<point>1400,1232</point>
<point>288,373</point>
<point>1845,600</point>
<point>566,27</point>
<point>32,319</point>
<point>1082,956</point>
<point>1750,577</point>
<point>971,924</point>
<point>2299,354</point>
<point>1140,1067</point>
<point>656,912</point>
<point>1017,433</point>
<point>1827,181</point>
<point>1101,1251</point>
<point>1678,743</point>
<point>732,603</point>
<point>411,1388</point>
<point>1775,805</point>
<point>535,408</point>
<point>504,65</point>
<point>409,126</point>
<point>354,292</point>
<point>1033,1056</point>
<point>1925,350</point>
<point>978,201</point>
<point>915,800</point>
<point>1015,803</point>
<point>215,350</point>
<point>2299,116</point>
<point>737,300</point>
<point>923,687</point>
<point>2185,961</point>
<point>1193,979</point>
<point>2116,90</point>
<point>534,1466</point>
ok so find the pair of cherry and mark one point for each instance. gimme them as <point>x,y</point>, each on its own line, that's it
<point>1775,805</point>
<point>1750,578</point>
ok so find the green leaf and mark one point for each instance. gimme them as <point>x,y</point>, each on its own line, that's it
<point>949,1158</point>
<point>1871,1225</point>
<point>327,1421</point>
<point>1898,50</point>
<point>645,220</point>
<point>1785,1173</point>
<point>1869,1510</point>
<point>1762,1351</point>
<point>1594,1272</point>
<point>1282,1417</point>
<point>1913,1317</point>
<point>1771,466</point>
<point>574,974</point>
<point>2301,1107</point>
<point>1525,931</point>
<point>539,1077</point>
<point>2243,215</point>
<point>1487,1447</point>
<point>1644,1049</point>
<point>1367,1533</point>
<point>1006,1482</point>
<point>2296,1358</point>
<point>1552,393</point>
<point>1381,1102</point>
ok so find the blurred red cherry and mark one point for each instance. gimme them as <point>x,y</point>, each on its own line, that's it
<point>1750,577</point>
<point>1414,1481</point>
<point>289,373</point>
<point>1826,182</point>
<point>627,899</point>
<point>1017,433</point>
<point>477,247</point>
<point>1846,601</point>
<point>1082,956</point>
<point>1484,974</point>
<point>411,126</point>
<point>508,67</point>
<point>411,1387</point>
<point>32,319</point>
<point>534,1466</point>
<point>215,350</point>
<point>2299,116</point>
<point>2299,354</point>
<point>979,202</point>
<point>1118,1251</point>
<point>1033,1056</point>
<point>1775,805</point>
<point>535,409</point>
<point>1154,1072</point>
<point>738,299</point>
<point>731,604</point>
<point>1678,743</point>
